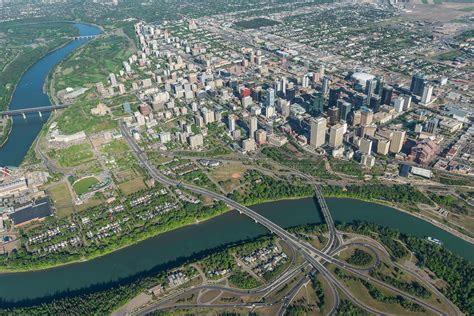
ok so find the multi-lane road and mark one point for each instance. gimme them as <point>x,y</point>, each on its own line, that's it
<point>310,253</point>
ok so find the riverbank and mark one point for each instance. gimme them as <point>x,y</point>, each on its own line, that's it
<point>425,218</point>
<point>120,245</point>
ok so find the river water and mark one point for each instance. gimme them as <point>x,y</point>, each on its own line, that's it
<point>29,93</point>
<point>169,249</point>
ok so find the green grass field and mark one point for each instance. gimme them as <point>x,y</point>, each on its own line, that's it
<point>84,185</point>
<point>72,156</point>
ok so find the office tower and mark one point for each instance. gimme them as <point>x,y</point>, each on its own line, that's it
<point>417,83</point>
<point>321,71</point>
<point>317,106</point>
<point>379,84</point>
<point>325,85</point>
<point>426,93</point>
<point>366,116</point>
<point>290,94</point>
<point>370,88</point>
<point>270,97</point>
<point>333,114</point>
<point>284,82</point>
<point>398,104</point>
<point>374,102</point>
<point>365,146</point>
<point>387,95</point>
<point>277,85</point>
<point>334,95</point>
<point>318,132</point>
<point>284,106</point>
<point>358,100</point>
<point>252,126</point>
<point>344,109</point>
<point>305,81</point>
<point>336,134</point>
<point>431,125</point>
<point>407,103</point>
<point>397,141</point>
<point>231,122</point>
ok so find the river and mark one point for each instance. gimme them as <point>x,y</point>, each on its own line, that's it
<point>29,93</point>
<point>169,249</point>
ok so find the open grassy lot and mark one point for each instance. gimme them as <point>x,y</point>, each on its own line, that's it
<point>132,186</point>
<point>73,155</point>
<point>84,185</point>
<point>62,199</point>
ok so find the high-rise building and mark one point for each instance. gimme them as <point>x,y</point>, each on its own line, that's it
<point>318,132</point>
<point>113,80</point>
<point>374,102</point>
<point>269,111</point>
<point>366,116</point>
<point>284,106</point>
<point>370,88</point>
<point>365,146</point>
<point>231,122</point>
<point>270,97</point>
<point>398,104</point>
<point>196,141</point>
<point>387,95</point>
<point>333,114</point>
<point>358,100</point>
<point>383,146</point>
<point>284,82</point>
<point>379,86</point>
<point>317,106</point>
<point>417,83</point>
<point>252,126</point>
<point>426,93</point>
<point>407,102</point>
<point>344,109</point>
<point>431,125</point>
<point>305,81</point>
<point>336,134</point>
<point>397,142</point>
<point>325,85</point>
<point>249,144</point>
<point>334,95</point>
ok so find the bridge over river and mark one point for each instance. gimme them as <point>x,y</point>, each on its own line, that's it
<point>39,110</point>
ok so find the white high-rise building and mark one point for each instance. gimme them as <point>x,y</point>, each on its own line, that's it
<point>336,134</point>
<point>231,122</point>
<point>397,141</point>
<point>253,126</point>
<point>365,146</point>
<point>427,93</point>
<point>113,80</point>
<point>318,132</point>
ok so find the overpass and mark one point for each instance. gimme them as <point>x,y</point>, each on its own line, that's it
<point>309,252</point>
<point>39,110</point>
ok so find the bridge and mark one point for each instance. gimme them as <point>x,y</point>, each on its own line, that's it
<point>39,110</point>
<point>84,37</point>
<point>312,255</point>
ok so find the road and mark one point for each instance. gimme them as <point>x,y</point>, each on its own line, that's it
<point>310,253</point>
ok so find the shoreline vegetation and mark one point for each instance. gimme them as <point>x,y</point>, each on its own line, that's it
<point>107,300</point>
<point>192,221</point>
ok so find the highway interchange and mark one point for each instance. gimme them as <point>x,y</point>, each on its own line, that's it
<point>312,255</point>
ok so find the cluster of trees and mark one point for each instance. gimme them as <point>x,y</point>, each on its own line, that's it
<point>376,294</point>
<point>263,188</point>
<point>347,308</point>
<point>456,271</point>
<point>243,280</point>
<point>318,288</point>
<point>404,194</point>
<point>359,258</point>
<point>453,204</point>
<point>413,287</point>
<point>389,237</point>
